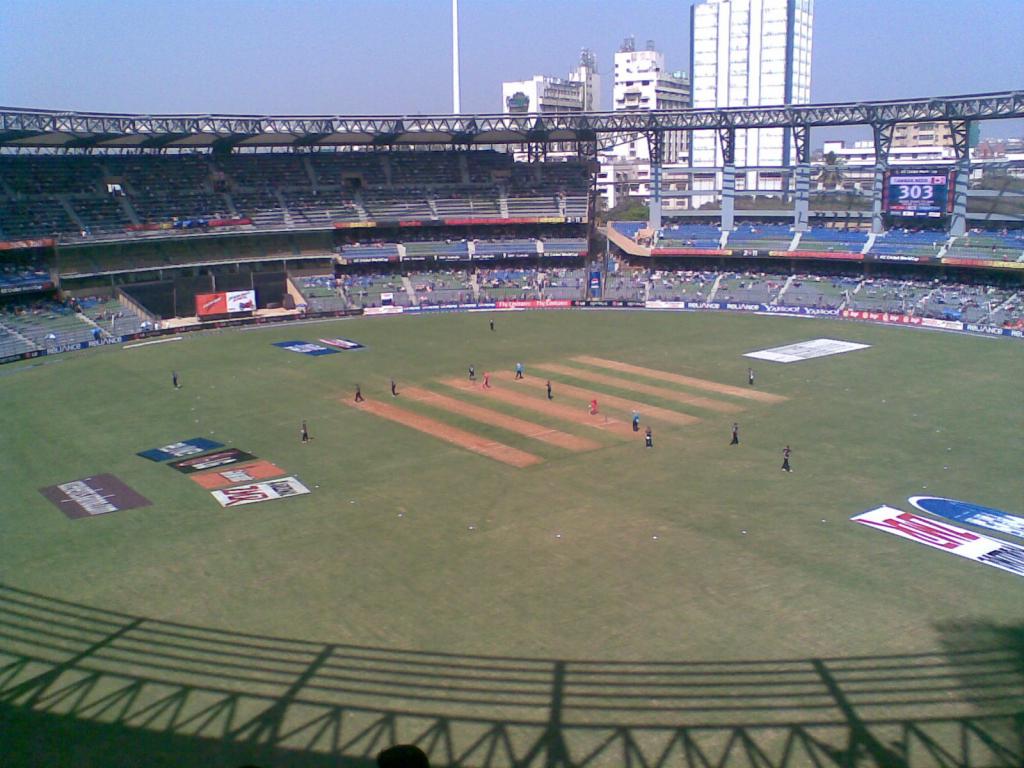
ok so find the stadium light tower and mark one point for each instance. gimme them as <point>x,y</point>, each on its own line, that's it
<point>456,96</point>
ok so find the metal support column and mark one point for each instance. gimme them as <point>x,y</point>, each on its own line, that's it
<point>801,204</point>
<point>882,133</point>
<point>727,138</point>
<point>961,133</point>
<point>587,150</point>
<point>656,149</point>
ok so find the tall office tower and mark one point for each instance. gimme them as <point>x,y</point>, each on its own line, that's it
<point>750,53</point>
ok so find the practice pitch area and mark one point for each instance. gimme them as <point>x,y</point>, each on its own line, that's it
<point>498,572</point>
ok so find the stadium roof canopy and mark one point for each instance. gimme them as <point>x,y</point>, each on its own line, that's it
<point>86,130</point>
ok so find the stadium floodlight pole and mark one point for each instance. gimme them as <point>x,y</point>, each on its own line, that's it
<point>456,96</point>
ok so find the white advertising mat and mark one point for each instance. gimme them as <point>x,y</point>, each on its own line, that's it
<point>806,350</point>
<point>950,538</point>
<point>257,492</point>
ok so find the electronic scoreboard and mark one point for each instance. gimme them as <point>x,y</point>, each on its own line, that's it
<point>919,193</point>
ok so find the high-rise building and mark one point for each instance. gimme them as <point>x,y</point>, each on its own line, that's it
<point>642,82</point>
<point>750,53</point>
<point>586,74</point>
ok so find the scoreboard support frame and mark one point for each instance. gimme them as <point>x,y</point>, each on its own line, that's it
<point>727,139</point>
<point>882,133</point>
<point>656,151</point>
<point>960,130</point>
<point>801,201</point>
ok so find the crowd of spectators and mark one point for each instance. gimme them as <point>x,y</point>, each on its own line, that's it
<point>1000,245</point>
<point>42,321</point>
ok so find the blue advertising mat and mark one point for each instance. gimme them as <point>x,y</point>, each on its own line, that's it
<point>974,514</point>
<point>178,450</point>
<point>305,348</point>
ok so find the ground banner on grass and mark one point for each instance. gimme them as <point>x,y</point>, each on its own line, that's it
<point>257,492</point>
<point>342,343</point>
<point>972,514</point>
<point>244,473</point>
<point>305,348</point>
<point>96,495</point>
<point>924,530</point>
<point>177,450</point>
<point>806,350</point>
<point>211,460</point>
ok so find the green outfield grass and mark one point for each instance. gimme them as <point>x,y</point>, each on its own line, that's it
<point>692,551</point>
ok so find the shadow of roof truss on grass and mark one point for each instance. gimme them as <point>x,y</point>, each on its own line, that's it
<point>86,686</point>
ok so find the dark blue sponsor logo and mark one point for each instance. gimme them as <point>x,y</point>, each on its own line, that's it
<point>305,348</point>
<point>973,514</point>
<point>179,450</point>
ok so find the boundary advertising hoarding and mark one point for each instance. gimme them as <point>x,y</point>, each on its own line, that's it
<point>689,306</point>
<point>225,303</point>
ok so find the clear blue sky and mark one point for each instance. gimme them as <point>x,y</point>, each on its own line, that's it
<point>393,56</point>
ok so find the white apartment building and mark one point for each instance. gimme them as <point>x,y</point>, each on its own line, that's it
<point>541,93</point>
<point>749,53</point>
<point>642,82</point>
<point>861,154</point>
<point>579,92</point>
